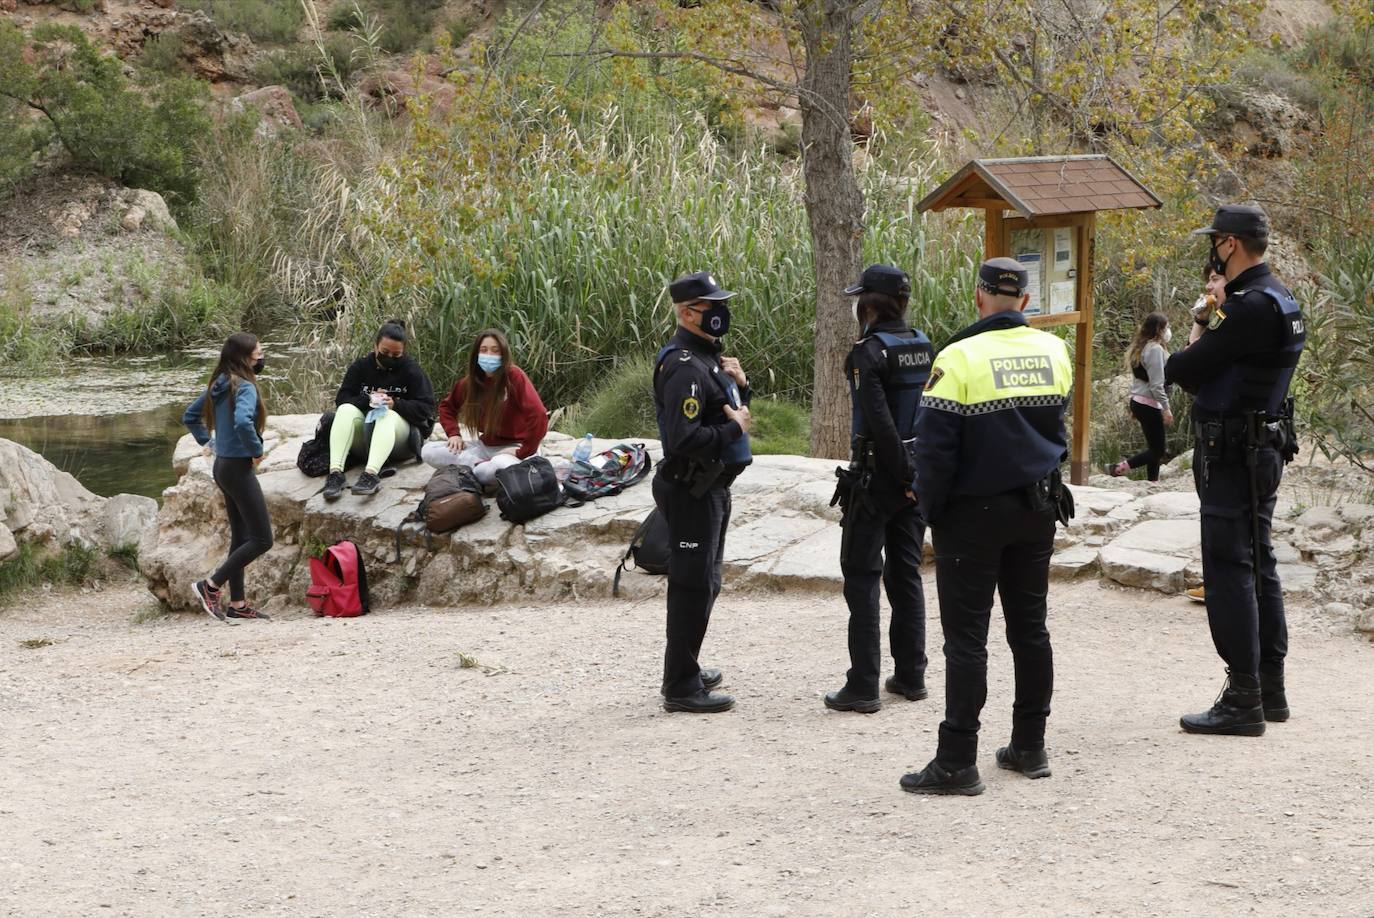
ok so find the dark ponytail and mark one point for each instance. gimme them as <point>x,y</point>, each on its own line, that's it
<point>393,330</point>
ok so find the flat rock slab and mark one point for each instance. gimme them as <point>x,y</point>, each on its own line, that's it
<point>1073,562</point>
<point>1142,568</point>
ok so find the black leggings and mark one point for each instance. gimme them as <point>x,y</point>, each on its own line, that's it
<point>1152,422</point>
<point>250,529</point>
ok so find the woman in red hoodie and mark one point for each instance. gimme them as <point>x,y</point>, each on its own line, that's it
<point>497,402</point>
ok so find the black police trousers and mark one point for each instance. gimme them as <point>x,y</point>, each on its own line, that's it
<point>982,544</point>
<point>1248,634</point>
<point>884,525</point>
<point>696,538</point>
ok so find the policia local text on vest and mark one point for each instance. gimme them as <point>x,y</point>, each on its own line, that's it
<point>990,439</point>
<point>884,534</point>
<point>1239,362</point>
<point>700,400</point>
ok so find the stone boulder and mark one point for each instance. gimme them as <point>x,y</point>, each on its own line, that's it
<point>275,106</point>
<point>45,506</point>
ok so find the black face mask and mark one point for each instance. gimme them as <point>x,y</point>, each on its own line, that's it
<point>258,365</point>
<point>1218,264</point>
<point>716,320</point>
<point>387,362</point>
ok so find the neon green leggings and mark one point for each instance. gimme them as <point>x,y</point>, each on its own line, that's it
<point>388,430</point>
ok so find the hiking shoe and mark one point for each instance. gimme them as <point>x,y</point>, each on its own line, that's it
<point>334,485</point>
<point>1033,763</point>
<point>246,612</point>
<point>909,691</point>
<point>1197,594</point>
<point>1237,711</point>
<point>845,700</point>
<point>1273,698</point>
<point>703,702</point>
<point>367,483</point>
<point>1114,469</point>
<point>936,779</point>
<point>208,598</point>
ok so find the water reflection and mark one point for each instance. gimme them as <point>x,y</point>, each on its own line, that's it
<point>113,422</point>
<point>109,454</point>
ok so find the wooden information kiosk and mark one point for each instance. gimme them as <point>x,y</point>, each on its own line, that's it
<point>1055,200</point>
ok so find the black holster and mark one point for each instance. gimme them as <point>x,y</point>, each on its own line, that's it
<point>698,476</point>
<point>1050,493</point>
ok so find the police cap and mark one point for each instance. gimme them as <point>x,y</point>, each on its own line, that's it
<point>1237,220</point>
<point>1006,276</point>
<point>881,279</point>
<point>700,286</point>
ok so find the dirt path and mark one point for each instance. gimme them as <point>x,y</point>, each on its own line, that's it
<point>182,767</point>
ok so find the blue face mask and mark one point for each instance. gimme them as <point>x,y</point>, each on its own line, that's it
<point>489,363</point>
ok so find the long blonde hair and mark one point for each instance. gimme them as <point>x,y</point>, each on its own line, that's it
<point>1152,329</point>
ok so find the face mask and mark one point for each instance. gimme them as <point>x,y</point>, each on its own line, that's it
<point>489,363</point>
<point>1168,335</point>
<point>854,308</point>
<point>1217,262</point>
<point>387,362</point>
<point>716,320</point>
<point>258,365</point>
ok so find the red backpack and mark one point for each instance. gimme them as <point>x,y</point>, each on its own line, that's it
<point>338,582</point>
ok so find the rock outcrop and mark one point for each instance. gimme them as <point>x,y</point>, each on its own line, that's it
<point>783,534</point>
<point>45,506</point>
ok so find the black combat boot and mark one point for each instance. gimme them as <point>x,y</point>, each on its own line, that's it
<point>1033,763</point>
<point>1272,696</point>
<point>1237,711</point>
<point>937,779</point>
<point>847,700</point>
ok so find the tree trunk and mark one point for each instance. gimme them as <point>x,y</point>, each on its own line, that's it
<point>835,208</point>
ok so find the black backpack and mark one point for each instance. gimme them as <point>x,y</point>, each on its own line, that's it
<point>649,548</point>
<point>313,459</point>
<point>453,498</point>
<point>527,489</point>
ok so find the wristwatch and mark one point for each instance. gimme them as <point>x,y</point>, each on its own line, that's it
<point>1203,322</point>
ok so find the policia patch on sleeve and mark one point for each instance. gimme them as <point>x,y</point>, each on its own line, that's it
<point>691,408</point>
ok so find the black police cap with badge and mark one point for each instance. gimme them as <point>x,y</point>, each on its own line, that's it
<point>1237,220</point>
<point>881,279</point>
<point>700,286</point>
<point>1003,276</point>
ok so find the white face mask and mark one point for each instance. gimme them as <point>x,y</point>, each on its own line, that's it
<point>854,308</point>
<point>1168,335</point>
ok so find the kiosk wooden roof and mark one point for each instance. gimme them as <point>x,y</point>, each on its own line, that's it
<point>1050,193</point>
<point>1040,186</point>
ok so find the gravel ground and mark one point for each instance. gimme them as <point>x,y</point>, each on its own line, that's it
<point>302,767</point>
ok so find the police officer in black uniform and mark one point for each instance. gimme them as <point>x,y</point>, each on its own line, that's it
<point>1239,362</point>
<point>701,400</point>
<point>886,369</point>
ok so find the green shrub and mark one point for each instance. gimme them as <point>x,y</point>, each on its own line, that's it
<point>30,569</point>
<point>163,53</point>
<point>275,21</point>
<point>144,139</point>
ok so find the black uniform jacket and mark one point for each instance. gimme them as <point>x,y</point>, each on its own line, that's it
<point>691,404</point>
<point>1249,324</point>
<point>867,362</point>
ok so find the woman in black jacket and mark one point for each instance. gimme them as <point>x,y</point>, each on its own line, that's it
<point>385,409</point>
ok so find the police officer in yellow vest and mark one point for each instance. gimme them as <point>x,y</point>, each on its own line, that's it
<point>989,442</point>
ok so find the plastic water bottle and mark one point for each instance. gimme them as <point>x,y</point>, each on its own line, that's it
<point>583,451</point>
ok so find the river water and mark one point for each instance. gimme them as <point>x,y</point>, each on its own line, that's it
<point>113,422</point>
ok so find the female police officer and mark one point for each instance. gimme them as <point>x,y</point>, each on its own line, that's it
<point>887,369</point>
<point>700,398</point>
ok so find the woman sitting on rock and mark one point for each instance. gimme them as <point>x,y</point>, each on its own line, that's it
<point>385,412</point>
<point>227,419</point>
<point>497,402</point>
